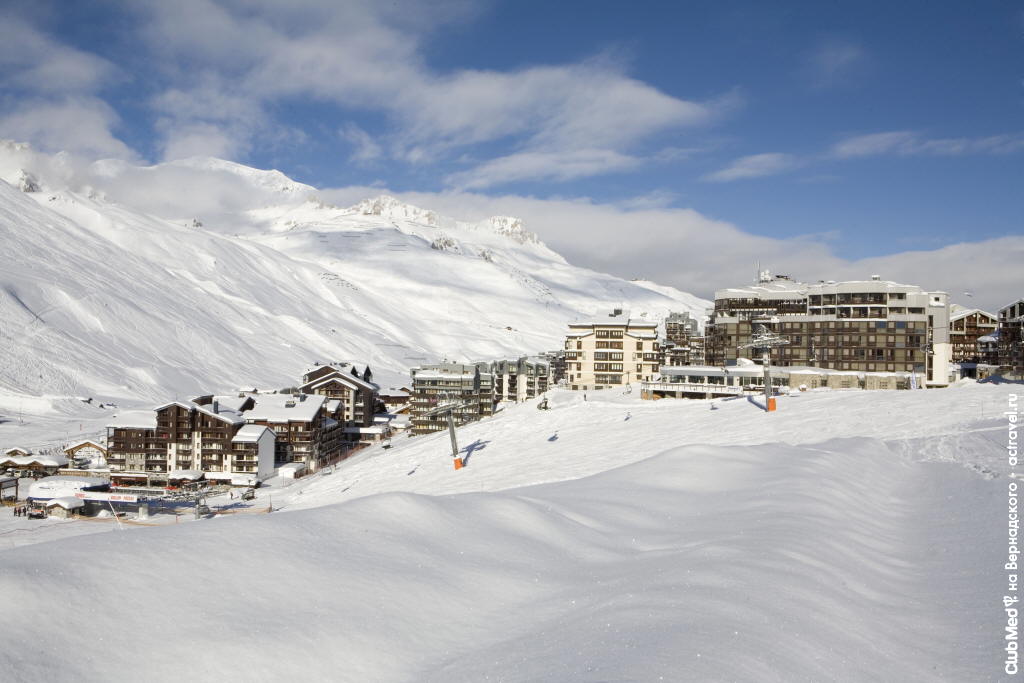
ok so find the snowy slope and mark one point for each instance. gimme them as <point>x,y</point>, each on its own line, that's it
<point>139,283</point>
<point>850,536</point>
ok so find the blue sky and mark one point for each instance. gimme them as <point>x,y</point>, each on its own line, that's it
<point>857,129</point>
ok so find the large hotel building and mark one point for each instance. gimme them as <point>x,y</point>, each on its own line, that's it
<point>868,326</point>
<point>610,352</point>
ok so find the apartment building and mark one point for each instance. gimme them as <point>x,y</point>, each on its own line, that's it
<point>520,379</point>
<point>679,327</point>
<point>868,326</point>
<point>237,438</point>
<point>688,352</point>
<point>360,399</point>
<point>309,427</point>
<point>1011,338</point>
<point>610,352</point>
<point>965,328</point>
<point>209,436</point>
<point>468,385</point>
<point>556,365</point>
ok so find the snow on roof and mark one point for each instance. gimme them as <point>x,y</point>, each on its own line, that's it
<point>191,475</point>
<point>392,391</point>
<point>16,450</point>
<point>757,370</point>
<point>286,407</point>
<point>29,460</point>
<point>333,404</point>
<point>343,377</point>
<point>86,442</point>
<point>133,419</point>
<point>445,375</point>
<point>54,487</point>
<point>968,311</point>
<point>794,289</point>
<point>227,413</point>
<point>292,467</point>
<point>990,338</point>
<point>66,502</point>
<point>250,434</point>
<point>364,430</point>
<point>614,321</point>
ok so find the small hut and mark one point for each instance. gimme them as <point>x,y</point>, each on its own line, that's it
<point>65,507</point>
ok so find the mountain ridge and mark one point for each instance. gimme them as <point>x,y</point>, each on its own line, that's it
<point>107,290</point>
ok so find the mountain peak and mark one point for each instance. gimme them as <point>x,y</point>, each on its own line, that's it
<point>387,206</point>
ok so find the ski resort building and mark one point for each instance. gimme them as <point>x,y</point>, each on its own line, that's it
<point>1011,337</point>
<point>395,399</point>
<point>698,381</point>
<point>965,328</point>
<point>610,352</point>
<point>556,365</point>
<point>470,387</point>
<point>520,379</point>
<point>359,397</point>
<point>309,428</point>
<point>239,439</point>
<point>31,464</point>
<point>679,327</point>
<point>86,449</point>
<point>863,326</point>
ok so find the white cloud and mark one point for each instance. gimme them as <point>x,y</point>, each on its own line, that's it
<point>366,55</point>
<point>81,125</point>
<point>542,166</point>
<point>834,62</point>
<point>754,166</point>
<point>685,249</point>
<point>365,148</point>
<point>52,88</point>
<point>909,143</point>
<point>33,61</point>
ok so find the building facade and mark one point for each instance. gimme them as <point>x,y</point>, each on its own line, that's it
<point>965,328</point>
<point>209,435</point>
<point>867,326</point>
<point>520,379</point>
<point>679,327</point>
<point>233,438</point>
<point>1011,338</point>
<point>469,386</point>
<point>359,398</point>
<point>737,380</point>
<point>611,352</point>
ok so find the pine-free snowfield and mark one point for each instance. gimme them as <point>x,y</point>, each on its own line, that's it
<point>849,536</point>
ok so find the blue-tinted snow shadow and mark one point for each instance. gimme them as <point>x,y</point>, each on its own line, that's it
<point>472,448</point>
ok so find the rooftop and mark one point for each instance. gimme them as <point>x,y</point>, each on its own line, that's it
<point>782,287</point>
<point>285,407</point>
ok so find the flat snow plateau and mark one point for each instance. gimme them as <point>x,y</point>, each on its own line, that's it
<point>849,536</point>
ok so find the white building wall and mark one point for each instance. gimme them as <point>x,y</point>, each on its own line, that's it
<point>265,455</point>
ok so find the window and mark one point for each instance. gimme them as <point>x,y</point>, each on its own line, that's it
<point>639,346</point>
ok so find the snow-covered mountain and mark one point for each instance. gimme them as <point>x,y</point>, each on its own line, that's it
<point>127,282</point>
